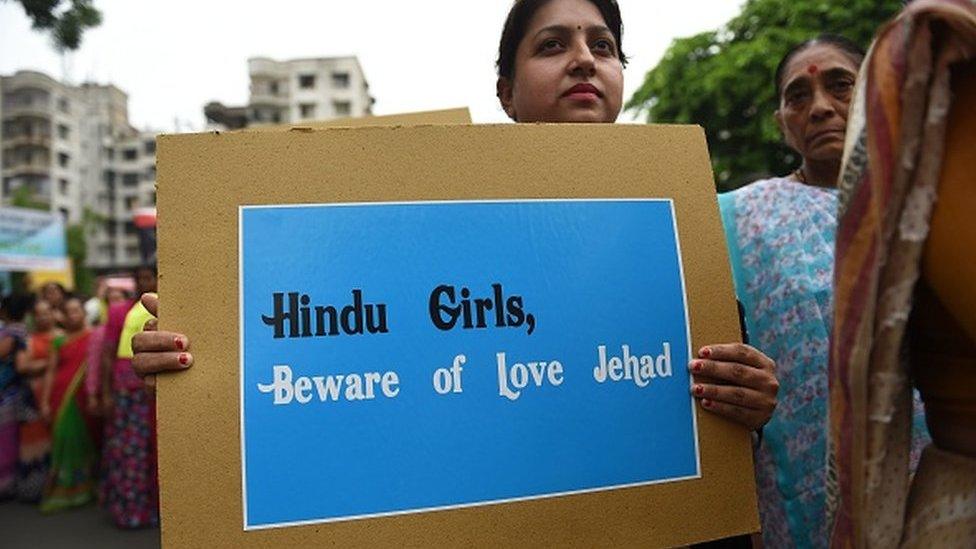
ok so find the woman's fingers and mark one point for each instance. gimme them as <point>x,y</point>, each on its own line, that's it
<point>735,395</point>
<point>738,352</point>
<point>146,364</point>
<point>155,341</point>
<point>752,419</point>
<point>736,381</point>
<point>151,303</point>
<point>734,373</point>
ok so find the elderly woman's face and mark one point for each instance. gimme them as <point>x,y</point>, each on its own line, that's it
<point>817,86</point>
<point>566,68</point>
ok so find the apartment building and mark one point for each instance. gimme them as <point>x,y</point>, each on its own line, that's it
<point>72,150</point>
<point>286,92</point>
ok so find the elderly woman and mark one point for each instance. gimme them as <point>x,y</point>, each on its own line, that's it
<point>781,234</point>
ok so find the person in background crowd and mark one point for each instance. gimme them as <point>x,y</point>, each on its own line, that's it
<point>64,404</point>
<point>35,435</point>
<point>780,235</point>
<point>13,343</point>
<point>54,294</point>
<point>112,296</point>
<point>905,301</point>
<point>130,488</point>
<point>95,308</point>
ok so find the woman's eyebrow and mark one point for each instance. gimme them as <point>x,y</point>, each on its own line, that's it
<point>798,82</point>
<point>567,29</point>
<point>837,72</point>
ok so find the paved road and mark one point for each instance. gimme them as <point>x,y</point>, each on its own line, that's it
<point>24,526</point>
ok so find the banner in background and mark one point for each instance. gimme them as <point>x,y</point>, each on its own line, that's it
<point>31,240</point>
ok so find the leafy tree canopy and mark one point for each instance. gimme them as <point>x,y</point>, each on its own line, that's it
<point>66,20</point>
<point>724,79</point>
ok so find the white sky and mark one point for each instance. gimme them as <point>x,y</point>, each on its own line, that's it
<point>174,56</point>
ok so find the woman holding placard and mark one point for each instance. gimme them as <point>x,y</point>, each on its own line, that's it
<point>561,61</point>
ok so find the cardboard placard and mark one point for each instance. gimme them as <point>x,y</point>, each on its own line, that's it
<point>460,115</point>
<point>531,170</point>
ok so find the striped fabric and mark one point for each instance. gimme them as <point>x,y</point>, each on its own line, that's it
<point>893,154</point>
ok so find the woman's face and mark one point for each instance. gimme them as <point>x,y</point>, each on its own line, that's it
<point>566,68</point>
<point>114,295</point>
<point>74,315</point>
<point>816,94</point>
<point>43,319</point>
<point>53,295</point>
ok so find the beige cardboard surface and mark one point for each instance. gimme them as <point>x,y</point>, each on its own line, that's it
<point>447,116</point>
<point>202,180</point>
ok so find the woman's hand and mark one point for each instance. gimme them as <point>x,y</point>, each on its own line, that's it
<point>156,351</point>
<point>736,381</point>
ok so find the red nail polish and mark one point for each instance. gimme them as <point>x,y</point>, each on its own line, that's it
<point>706,352</point>
<point>178,341</point>
<point>699,390</point>
<point>184,359</point>
<point>696,366</point>
<point>706,403</point>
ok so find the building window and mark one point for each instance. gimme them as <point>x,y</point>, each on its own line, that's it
<point>276,117</point>
<point>64,214</point>
<point>131,203</point>
<point>63,131</point>
<point>63,159</point>
<point>151,173</point>
<point>130,228</point>
<point>340,80</point>
<point>306,81</point>
<point>342,108</point>
<point>273,87</point>
<point>307,110</point>
<point>63,186</point>
<point>150,146</point>
<point>130,179</point>
<point>109,153</point>
<point>132,251</point>
<point>130,154</point>
<point>63,105</point>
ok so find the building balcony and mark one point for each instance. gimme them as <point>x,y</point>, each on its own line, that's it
<point>26,168</point>
<point>14,141</point>
<point>32,110</point>
<point>268,98</point>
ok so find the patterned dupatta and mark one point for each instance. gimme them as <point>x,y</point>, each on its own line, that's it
<point>780,237</point>
<point>893,154</point>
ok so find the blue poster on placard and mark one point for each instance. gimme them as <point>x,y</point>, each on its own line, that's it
<point>405,357</point>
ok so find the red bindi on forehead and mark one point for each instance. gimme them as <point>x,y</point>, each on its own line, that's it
<point>812,69</point>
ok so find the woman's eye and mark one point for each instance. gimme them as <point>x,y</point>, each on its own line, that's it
<point>841,86</point>
<point>604,46</point>
<point>795,98</point>
<point>550,45</point>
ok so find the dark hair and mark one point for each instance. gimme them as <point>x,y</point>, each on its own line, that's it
<point>846,46</point>
<point>15,306</point>
<point>518,19</point>
<point>150,268</point>
<point>57,285</point>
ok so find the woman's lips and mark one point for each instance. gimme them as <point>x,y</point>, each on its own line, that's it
<point>583,92</point>
<point>829,134</point>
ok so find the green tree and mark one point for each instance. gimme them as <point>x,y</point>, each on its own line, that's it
<point>724,79</point>
<point>65,20</point>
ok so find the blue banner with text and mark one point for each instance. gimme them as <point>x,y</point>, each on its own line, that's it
<point>405,357</point>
